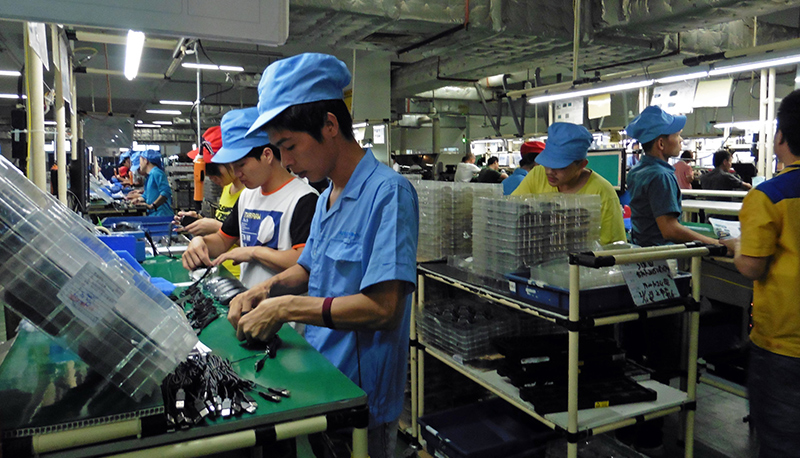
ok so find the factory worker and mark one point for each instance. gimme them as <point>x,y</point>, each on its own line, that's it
<point>359,264</point>
<point>564,170</point>
<point>124,167</point>
<point>529,151</point>
<point>157,194</point>
<point>655,194</point>
<point>270,220</point>
<point>466,169</point>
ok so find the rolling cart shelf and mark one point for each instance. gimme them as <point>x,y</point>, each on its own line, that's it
<point>573,422</point>
<point>668,398</point>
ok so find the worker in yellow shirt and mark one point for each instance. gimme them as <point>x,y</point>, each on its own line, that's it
<point>562,168</point>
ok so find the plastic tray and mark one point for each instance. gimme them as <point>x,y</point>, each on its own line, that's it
<point>592,300</point>
<point>491,429</point>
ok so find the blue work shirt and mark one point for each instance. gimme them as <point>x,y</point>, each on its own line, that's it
<point>368,236</point>
<point>654,192</point>
<point>511,183</point>
<point>156,185</point>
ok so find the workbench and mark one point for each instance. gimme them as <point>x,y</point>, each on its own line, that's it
<point>54,405</point>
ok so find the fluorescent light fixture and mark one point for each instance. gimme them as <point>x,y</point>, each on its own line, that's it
<point>360,125</point>
<point>49,123</point>
<point>165,112</point>
<point>744,125</point>
<point>224,68</point>
<point>9,73</point>
<point>12,96</point>
<point>747,66</point>
<point>592,91</point>
<point>684,77</point>
<point>152,126</point>
<point>163,123</point>
<point>187,103</point>
<point>133,53</point>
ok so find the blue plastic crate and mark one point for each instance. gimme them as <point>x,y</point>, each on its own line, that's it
<point>592,300</point>
<point>157,226</point>
<point>490,429</point>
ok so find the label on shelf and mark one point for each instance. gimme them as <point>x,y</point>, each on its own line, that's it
<point>649,282</point>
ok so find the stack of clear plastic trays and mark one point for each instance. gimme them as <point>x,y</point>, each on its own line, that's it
<point>513,233</point>
<point>445,217</point>
<point>64,280</point>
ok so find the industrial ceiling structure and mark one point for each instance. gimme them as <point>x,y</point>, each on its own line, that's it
<point>433,44</point>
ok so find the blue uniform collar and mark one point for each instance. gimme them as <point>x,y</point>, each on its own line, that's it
<point>352,190</point>
<point>648,160</point>
<point>520,171</point>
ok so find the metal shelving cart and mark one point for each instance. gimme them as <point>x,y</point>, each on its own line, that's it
<point>575,424</point>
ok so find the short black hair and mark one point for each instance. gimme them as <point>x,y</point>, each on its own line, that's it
<point>258,150</point>
<point>492,160</point>
<point>721,156</point>
<point>528,159</point>
<point>310,118</point>
<point>646,147</point>
<point>789,121</point>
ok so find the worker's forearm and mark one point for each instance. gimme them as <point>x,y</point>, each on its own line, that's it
<point>277,260</point>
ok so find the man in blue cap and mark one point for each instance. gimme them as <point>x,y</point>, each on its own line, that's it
<point>564,170</point>
<point>157,194</point>
<point>271,218</point>
<point>655,194</point>
<point>360,259</point>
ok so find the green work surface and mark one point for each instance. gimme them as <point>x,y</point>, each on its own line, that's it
<point>172,270</point>
<point>42,385</point>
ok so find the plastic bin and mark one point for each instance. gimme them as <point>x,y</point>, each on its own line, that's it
<point>592,300</point>
<point>491,429</point>
<point>157,226</point>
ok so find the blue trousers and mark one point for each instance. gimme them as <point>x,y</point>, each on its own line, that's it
<point>774,392</point>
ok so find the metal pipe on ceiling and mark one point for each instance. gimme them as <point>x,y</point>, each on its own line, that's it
<point>102,71</point>
<point>105,38</point>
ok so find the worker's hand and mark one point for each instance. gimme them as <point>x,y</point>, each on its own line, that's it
<point>263,321</point>
<point>237,255</point>
<point>245,302</point>
<point>196,254</point>
<point>177,219</point>
<point>203,226</point>
<point>731,245</point>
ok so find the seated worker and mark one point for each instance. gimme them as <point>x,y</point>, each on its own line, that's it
<point>491,173</point>
<point>157,194</point>
<point>655,195</point>
<point>466,169</point>
<point>529,151</point>
<point>272,218</point>
<point>222,175</point>
<point>721,178</point>
<point>124,167</point>
<point>683,171</point>
<point>564,161</point>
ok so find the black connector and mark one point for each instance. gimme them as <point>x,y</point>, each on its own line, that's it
<point>180,399</point>
<point>280,392</point>
<point>226,408</point>
<point>270,397</point>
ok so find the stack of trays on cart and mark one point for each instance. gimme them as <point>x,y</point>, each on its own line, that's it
<point>537,365</point>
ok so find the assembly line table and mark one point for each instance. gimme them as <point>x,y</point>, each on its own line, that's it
<point>53,405</point>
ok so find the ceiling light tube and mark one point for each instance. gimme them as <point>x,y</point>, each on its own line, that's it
<point>49,123</point>
<point>176,102</point>
<point>360,125</point>
<point>151,126</point>
<point>9,73</point>
<point>744,125</point>
<point>224,68</point>
<point>133,53</point>
<point>165,112</point>
<point>684,77</point>
<point>12,96</point>
<point>593,91</point>
<point>163,123</point>
<point>747,66</point>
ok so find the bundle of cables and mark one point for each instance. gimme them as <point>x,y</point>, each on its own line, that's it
<point>205,385</point>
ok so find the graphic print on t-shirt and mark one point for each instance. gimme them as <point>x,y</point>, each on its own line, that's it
<point>260,228</point>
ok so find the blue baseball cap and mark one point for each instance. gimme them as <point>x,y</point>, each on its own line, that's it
<point>652,122</point>
<point>235,141</point>
<point>309,77</point>
<point>124,156</point>
<point>566,143</point>
<point>135,160</point>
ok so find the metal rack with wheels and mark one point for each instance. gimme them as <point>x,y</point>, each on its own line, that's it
<point>575,424</point>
